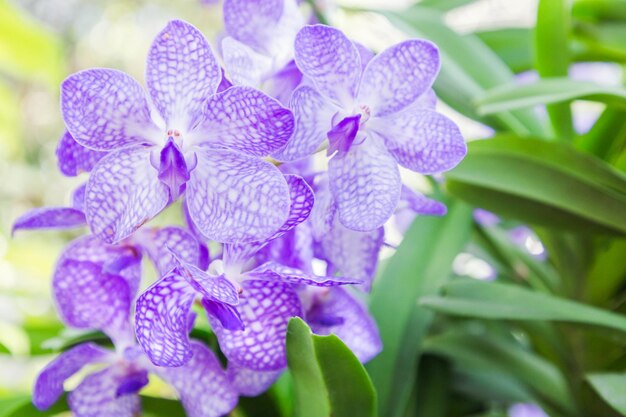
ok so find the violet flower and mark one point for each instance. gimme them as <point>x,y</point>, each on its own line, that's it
<point>204,144</point>
<point>374,118</point>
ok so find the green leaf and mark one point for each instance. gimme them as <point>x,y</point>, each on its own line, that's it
<point>543,183</point>
<point>417,269</point>
<point>328,378</point>
<point>551,47</point>
<point>596,10</point>
<point>607,137</point>
<point>512,45</point>
<point>444,5</point>
<point>490,300</point>
<point>468,67</point>
<point>161,407</point>
<point>547,91</point>
<point>311,397</point>
<point>611,387</point>
<point>21,406</point>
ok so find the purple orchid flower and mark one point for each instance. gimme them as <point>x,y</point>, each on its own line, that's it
<point>374,117</point>
<point>73,158</point>
<point>258,50</point>
<point>94,286</point>
<point>250,328</point>
<point>204,144</point>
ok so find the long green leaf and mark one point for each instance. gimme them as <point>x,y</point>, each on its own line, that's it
<point>551,47</point>
<point>510,302</point>
<point>544,183</point>
<point>512,45</point>
<point>420,266</point>
<point>547,91</point>
<point>612,388</point>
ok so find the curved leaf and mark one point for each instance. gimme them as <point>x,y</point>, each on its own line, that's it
<point>611,388</point>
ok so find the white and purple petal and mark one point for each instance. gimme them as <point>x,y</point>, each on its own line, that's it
<point>421,140</point>
<point>365,184</point>
<point>202,385</point>
<point>245,120</point>
<point>398,76</point>
<point>250,383</point>
<point>105,109</point>
<point>158,243</point>
<point>73,158</point>
<point>245,66</point>
<point>123,193</point>
<point>49,383</point>
<point>49,218</point>
<point>336,311</point>
<point>181,74</point>
<point>420,204</point>
<point>313,115</point>
<point>265,308</point>
<point>234,198</point>
<point>272,271</point>
<point>327,57</point>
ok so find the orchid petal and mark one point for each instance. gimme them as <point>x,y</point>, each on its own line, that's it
<point>313,115</point>
<point>326,56</point>
<point>159,243</point>
<point>244,65</point>
<point>202,384</point>
<point>365,183</point>
<point>398,76</point>
<point>420,204</point>
<point>73,158</point>
<point>49,383</point>
<point>265,308</point>
<point>246,120</point>
<point>181,74</point>
<point>251,383</point>
<point>233,198</point>
<point>421,140</point>
<point>273,271</point>
<point>105,109</point>
<point>123,193</point>
<point>50,218</point>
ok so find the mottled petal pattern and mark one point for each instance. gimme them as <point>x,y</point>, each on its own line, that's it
<point>202,384</point>
<point>244,65</point>
<point>246,120</point>
<point>73,158</point>
<point>420,204</point>
<point>366,185</point>
<point>273,271</point>
<point>265,308</point>
<point>161,320</point>
<point>232,197</point>
<point>330,60</point>
<point>158,243</point>
<point>250,383</point>
<point>357,328</point>
<point>421,140</point>
<point>78,197</point>
<point>49,383</point>
<point>50,218</point>
<point>313,115</point>
<point>181,74</point>
<point>105,109</point>
<point>97,395</point>
<point>123,193</point>
<point>396,77</point>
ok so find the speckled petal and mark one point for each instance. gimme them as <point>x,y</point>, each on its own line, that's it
<point>233,198</point>
<point>49,218</point>
<point>313,115</point>
<point>158,242</point>
<point>49,383</point>
<point>351,253</point>
<point>78,197</point>
<point>326,56</point>
<point>250,383</point>
<point>161,320</point>
<point>89,298</point>
<point>396,77</point>
<point>213,287</point>
<point>246,120</point>
<point>357,329</point>
<point>365,184</point>
<point>123,193</point>
<point>244,65</point>
<point>265,309</point>
<point>421,140</point>
<point>97,395</point>
<point>273,271</point>
<point>420,204</point>
<point>73,158</point>
<point>105,109</point>
<point>202,384</point>
<point>181,74</point>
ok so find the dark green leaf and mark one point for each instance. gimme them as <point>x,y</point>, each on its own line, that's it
<point>612,388</point>
<point>21,406</point>
<point>417,269</point>
<point>492,300</point>
<point>161,407</point>
<point>597,10</point>
<point>512,45</point>
<point>542,183</point>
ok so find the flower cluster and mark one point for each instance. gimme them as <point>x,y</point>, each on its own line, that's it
<point>236,146</point>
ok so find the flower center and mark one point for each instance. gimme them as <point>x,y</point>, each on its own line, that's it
<point>174,167</point>
<point>345,129</point>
